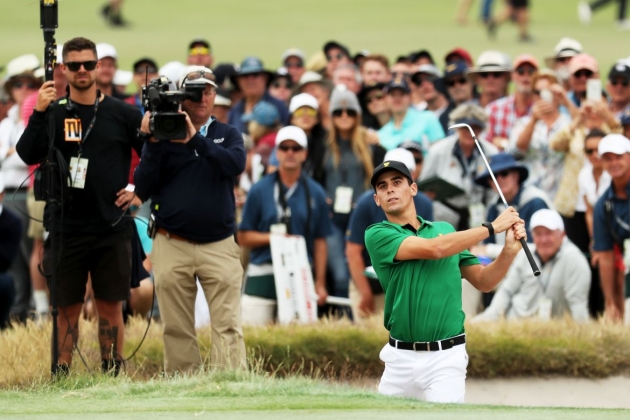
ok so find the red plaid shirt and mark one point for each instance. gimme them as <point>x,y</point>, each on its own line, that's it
<point>502,115</point>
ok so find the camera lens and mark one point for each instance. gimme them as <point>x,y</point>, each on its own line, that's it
<point>169,126</point>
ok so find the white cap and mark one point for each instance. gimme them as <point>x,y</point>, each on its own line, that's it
<point>190,69</point>
<point>221,100</point>
<point>310,77</point>
<point>429,69</point>
<point>567,47</point>
<point>303,99</point>
<point>122,77</point>
<point>550,219</point>
<point>172,70</point>
<point>22,64</point>
<point>402,155</point>
<point>104,50</point>
<point>491,61</point>
<point>1,184</point>
<point>59,53</point>
<point>614,143</point>
<point>291,132</point>
<point>293,52</point>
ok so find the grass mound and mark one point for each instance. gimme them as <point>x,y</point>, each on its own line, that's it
<point>342,350</point>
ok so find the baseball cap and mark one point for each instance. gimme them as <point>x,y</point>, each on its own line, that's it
<point>24,64</point>
<point>428,69</point>
<point>293,52</point>
<point>264,113</point>
<point>398,83</point>
<point>303,99</point>
<point>122,77</point>
<point>199,47</point>
<point>390,165</point>
<point>145,60</point>
<point>550,219</point>
<point>334,44</point>
<point>172,70</point>
<point>614,143</point>
<point>104,50</point>
<point>419,54</point>
<point>620,69</point>
<point>583,61</point>
<point>202,73</point>
<point>458,54</point>
<point>291,132</point>
<point>567,47</point>
<point>1,184</point>
<point>403,155</point>
<point>455,68</point>
<point>411,145</point>
<point>342,98</point>
<point>525,58</point>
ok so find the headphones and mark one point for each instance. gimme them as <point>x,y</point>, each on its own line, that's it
<point>71,106</point>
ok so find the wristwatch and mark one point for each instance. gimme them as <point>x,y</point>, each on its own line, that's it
<point>488,225</point>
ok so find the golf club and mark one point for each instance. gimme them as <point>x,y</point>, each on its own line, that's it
<point>530,258</point>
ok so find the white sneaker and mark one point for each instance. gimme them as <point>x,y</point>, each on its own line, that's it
<point>623,25</point>
<point>584,12</point>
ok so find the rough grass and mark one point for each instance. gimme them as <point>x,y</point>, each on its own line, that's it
<point>342,350</point>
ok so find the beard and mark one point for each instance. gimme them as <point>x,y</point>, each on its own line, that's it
<point>84,84</point>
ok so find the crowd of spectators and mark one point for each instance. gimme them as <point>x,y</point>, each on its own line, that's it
<point>559,149</point>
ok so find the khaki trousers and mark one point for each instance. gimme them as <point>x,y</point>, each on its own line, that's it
<point>217,265</point>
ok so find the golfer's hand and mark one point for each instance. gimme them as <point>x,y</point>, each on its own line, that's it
<point>506,220</point>
<point>513,238</point>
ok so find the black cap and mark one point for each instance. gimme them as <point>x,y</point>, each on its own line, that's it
<point>418,54</point>
<point>145,60</point>
<point>398,82</point>
<point>199,41</point>
<point>619,70</point>
<point>365,89</point>
<point>390,165</point>
<point>334,44</point>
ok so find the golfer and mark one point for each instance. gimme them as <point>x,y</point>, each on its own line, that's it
<point>420,265</point>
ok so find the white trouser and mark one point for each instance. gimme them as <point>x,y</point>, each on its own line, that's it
<point>433,376</point>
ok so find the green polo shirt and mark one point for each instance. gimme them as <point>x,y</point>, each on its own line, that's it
<point>423,298</point>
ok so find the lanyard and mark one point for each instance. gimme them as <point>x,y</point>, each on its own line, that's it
<point>90,126</point>
<point>286,210</point>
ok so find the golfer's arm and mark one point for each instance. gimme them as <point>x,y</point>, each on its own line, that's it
<point>414,248</point>
<point>485,279</point>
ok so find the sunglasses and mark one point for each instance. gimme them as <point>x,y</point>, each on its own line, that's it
<point>583,73</point>
<point>349,112</point>
<point>590,151</point>
<point>28,85</point>
<point>338,56</point>
<point>294,149</point>
<point>76,65</point>
<point>494,74</point>
<point>200,74</point>
<point>623,83</point>
<point>146,69</point>
<point>526,70</point>
<point>285,85</point>
<point>297,65</point>
<point>395,74</point>
<point>563,59</point>
<point>305,111</point>
<point>453,82</point>
<point>419,160</point>
<point>503,174</point>
<point>373,98</point>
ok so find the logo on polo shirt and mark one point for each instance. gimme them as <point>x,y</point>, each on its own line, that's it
<point>386,164</point>
<point>219,140</point>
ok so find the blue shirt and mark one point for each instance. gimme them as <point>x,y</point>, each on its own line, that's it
<point>235,117</point>
<point>261,211</point>
<point>367,213</point>
<point>525,212</point>
<point>423,127</point>
<point>603,240</point>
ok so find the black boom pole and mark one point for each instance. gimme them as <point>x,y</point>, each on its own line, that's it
<point>48,23</point>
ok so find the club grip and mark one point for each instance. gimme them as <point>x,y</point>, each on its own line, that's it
<point>532,263</point>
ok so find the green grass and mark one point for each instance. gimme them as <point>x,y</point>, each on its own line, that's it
<point>235,28</point>
<point>245,395</point>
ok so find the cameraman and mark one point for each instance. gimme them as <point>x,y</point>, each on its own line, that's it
<point>191,184</point>
<point>94,133</point>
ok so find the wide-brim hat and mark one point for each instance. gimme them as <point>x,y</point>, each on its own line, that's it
<point>491,61</point>
<point>499,163</point>
<point>251,65</point>
<point>567,47</point>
